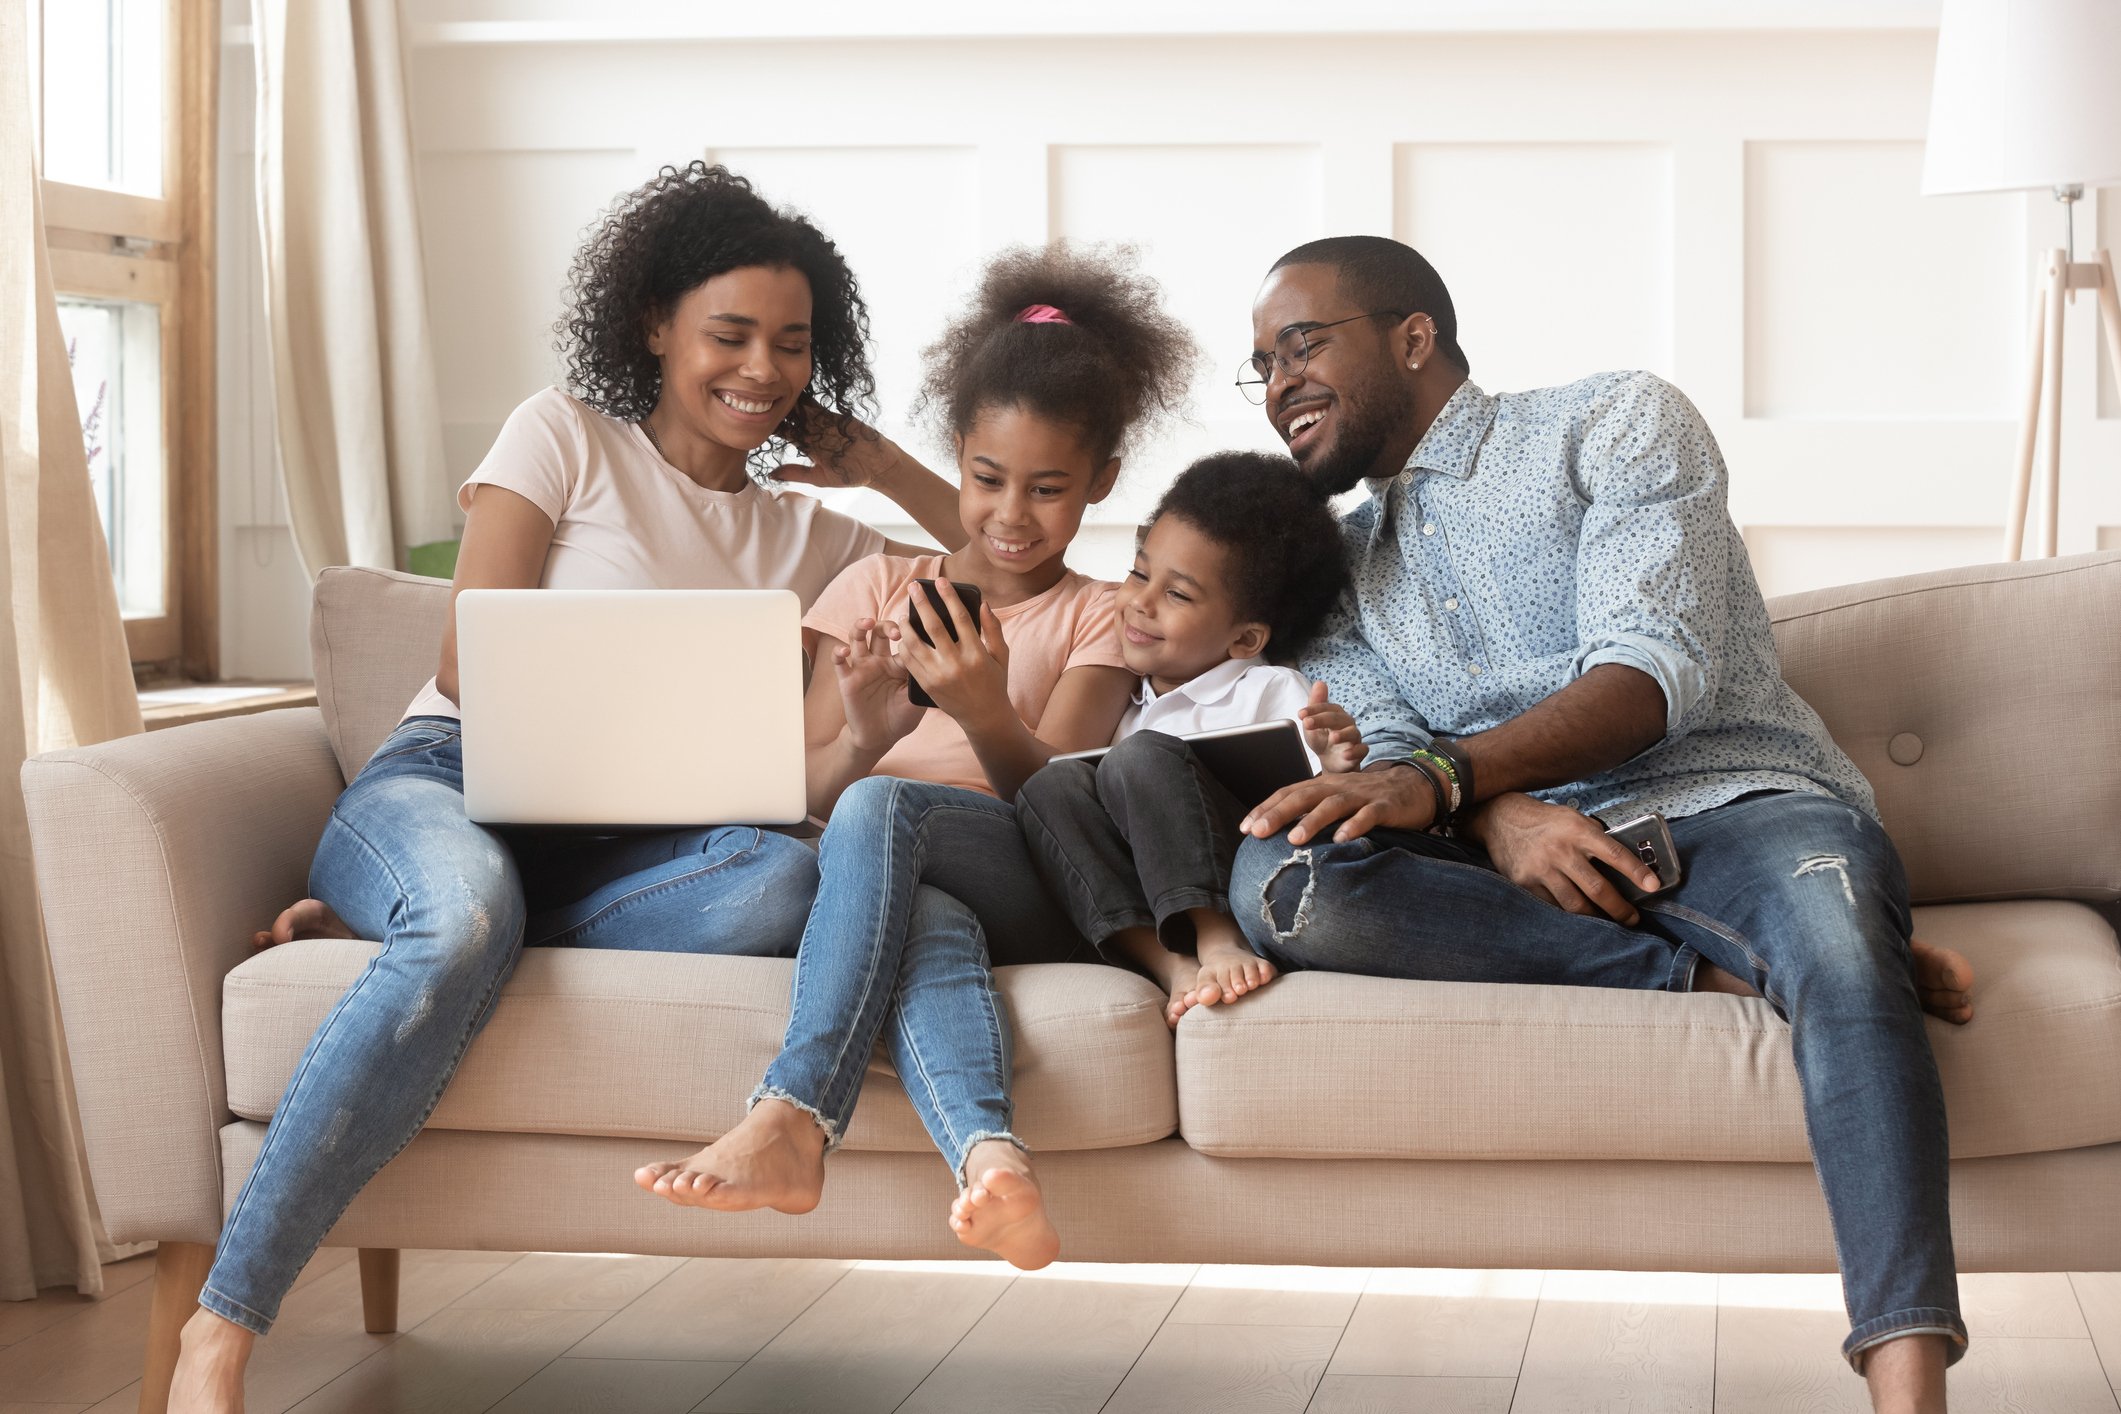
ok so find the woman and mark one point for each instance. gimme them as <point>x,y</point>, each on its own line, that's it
<point>701,325</point>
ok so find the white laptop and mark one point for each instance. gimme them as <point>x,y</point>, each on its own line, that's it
<point>626,709</point>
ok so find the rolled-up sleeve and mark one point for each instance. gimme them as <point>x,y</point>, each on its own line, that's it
<point>1357,678</point>
<point>1653,568</point>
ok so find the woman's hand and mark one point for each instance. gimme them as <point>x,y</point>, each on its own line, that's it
<point>839,460</point>
<point>873,689</point>
<point>968,675</point>
<point>1331,733</point>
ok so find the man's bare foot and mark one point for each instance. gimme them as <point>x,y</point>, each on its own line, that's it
<point>1001,1209</point>
<point>1228,966</point>
<point>211,1356</point>
<point>1945,982</point>
<point>1708,977</point>
<point>774,1159</point>
<point>311,918</point>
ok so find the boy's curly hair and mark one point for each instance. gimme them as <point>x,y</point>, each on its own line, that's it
<point>674,233</point>
<point>1286,563</point>
<point>1120,361</point>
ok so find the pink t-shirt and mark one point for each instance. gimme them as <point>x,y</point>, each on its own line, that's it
<point>623,518</point>
<point>1072,625</point>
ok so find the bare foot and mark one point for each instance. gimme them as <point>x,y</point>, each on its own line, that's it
<point>211,1355</point>
<point>1178,974</point>
<point>1228,966</point>
<point>1945,982</point>
<point>774,1159</point>
<point>1708,977</point>
<point>310,918</point>
<point>1001,1209</point>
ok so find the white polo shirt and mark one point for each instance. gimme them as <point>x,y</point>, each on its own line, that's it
<point>1238,693</point>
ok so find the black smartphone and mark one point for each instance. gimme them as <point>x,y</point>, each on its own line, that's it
<point>1649,839</point>
<point>968,595</point>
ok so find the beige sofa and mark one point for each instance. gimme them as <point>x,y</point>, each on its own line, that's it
<point>1350,1120</point>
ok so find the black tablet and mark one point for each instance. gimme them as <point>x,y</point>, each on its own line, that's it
<point>1252,761</point>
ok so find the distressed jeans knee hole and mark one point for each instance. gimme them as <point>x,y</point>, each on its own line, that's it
<point>1301,915</point>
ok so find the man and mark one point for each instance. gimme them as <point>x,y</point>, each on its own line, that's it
<point>1554,619</point>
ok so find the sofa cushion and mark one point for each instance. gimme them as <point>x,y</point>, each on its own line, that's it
<point>374,637</point>
<point>1325,1065</point>
<point>669,1046</point>
<point>1984,704</point>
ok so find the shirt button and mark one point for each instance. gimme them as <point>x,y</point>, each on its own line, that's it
<point>1429,529</point>
<point>1406,478</point>
<point>1473,668</point>
<point>1450,606</point>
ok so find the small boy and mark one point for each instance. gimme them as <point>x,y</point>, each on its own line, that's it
<point>1235,570</point>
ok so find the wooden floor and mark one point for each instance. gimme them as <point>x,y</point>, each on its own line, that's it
<point>621,1335</point>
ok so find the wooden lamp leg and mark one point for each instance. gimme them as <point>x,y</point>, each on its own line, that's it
<point>2058,278</point>
<point>2028,424</point>
<point>379,1289</point>
<point>2110,312</point>
<point>180,1270</point>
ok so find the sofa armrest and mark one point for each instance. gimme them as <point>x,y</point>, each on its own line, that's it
<point>157,856</point>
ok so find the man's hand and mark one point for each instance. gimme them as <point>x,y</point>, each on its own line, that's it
<point>1394,797</point>
<point>1331,733</point>
<point>1547,851</point>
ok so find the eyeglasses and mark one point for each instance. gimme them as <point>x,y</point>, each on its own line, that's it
<point>1292,355</point>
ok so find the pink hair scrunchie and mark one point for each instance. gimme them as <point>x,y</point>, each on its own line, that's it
<point>1041,314</point>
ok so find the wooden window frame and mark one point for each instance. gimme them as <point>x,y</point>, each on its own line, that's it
<point>116,245</point>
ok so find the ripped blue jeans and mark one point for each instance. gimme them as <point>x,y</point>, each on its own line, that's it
<point>453,903</point>
<point>1802,896</point>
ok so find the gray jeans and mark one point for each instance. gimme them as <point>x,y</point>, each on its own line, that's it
<point>1135,840</point>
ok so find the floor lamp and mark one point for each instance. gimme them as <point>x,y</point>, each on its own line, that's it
<point>2026,99</point>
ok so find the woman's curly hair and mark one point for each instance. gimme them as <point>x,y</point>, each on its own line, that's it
<point>667,237</point>
<point>1118,363</point>
<point>1286,563</point>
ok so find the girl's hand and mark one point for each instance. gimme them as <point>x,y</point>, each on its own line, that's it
<point>873,689</point>
<point>861,456</point>
<point>1331,733</point>
<point>969,676</point>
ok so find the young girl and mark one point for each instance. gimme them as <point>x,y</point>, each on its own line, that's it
<point>1239,564</point>
<point>1062,356</point>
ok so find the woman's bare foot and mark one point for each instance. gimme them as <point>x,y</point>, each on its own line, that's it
<point>1228,966</point>
<point>1945,982</point>
<point>311,918</point>
<point>775,1158</point>
<point>1001,1209</point>
<point>211,1356</point>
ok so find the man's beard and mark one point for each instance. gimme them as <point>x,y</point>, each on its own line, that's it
<point>1357,444</point>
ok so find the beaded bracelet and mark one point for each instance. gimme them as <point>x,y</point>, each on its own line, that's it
<point>1437,786</point>
<point>1450,796</point>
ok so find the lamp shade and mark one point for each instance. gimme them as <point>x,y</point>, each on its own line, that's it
<point>2027,95</point>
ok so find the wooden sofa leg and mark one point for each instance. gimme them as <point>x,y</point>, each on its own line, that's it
<point>379,1289</point>
<point>180,1270</point>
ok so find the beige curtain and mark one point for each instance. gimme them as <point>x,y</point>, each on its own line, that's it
<point>345,298</point>
<point>65,680</point>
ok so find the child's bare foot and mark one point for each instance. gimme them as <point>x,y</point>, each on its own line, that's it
<point>1945,982</point>
<point>775,1158</point>
<point>1001,1209</point>
<point>211,1355</point>
<point>311,918</point>
<point>1178,974</point>
<point>1229,969</point>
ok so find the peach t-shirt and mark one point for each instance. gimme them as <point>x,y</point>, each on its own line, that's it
<point>1072,625</point>
<point>623,518</point>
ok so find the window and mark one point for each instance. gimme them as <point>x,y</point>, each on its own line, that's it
<point>124,94</point>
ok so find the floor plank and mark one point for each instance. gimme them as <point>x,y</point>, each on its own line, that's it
<point>2099,1298</point>
<point>2029,1375</point>
<point>92,1353</point>
<point>865,1345</point>
<point>1778,1347</point>
<point>1214,1369</point>
<point>1434,1322</point>
<point>1397,1394</point>
<point>713,1308</point>
<point>1621,1340</point>
<point>2032,1304</point>
<point>455,1362</point>
<point>1057,1342</point>
<point>11,1407</point>
<point>569,1386</point>
<point>22,1319</point>
<point>1271,1296</point>
<point>567,1281</point>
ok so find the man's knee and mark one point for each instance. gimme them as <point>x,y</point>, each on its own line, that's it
<point>1274,893</point>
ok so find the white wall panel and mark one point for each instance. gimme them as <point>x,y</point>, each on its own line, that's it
<point>1865,299</point>
<point>1790,558</point>
<point>1558,256</point>
<point>1208,220</point>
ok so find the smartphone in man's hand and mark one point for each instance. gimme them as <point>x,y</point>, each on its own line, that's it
<point>1649,839</point>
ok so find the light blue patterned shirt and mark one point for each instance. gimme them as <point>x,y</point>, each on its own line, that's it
<point>1534,536</point>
